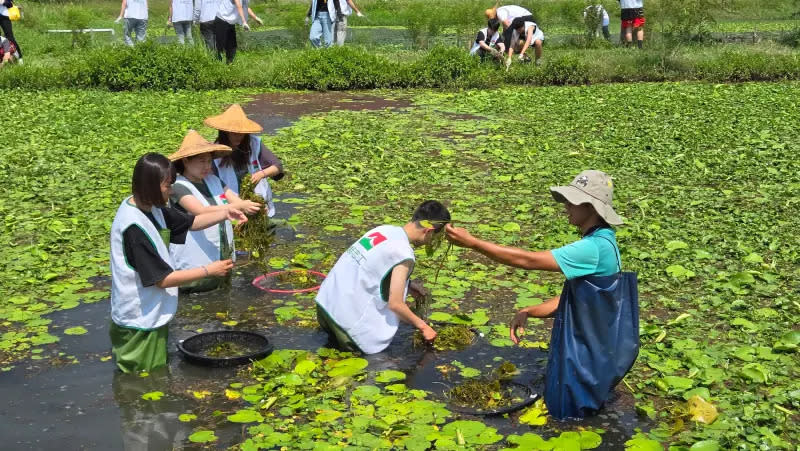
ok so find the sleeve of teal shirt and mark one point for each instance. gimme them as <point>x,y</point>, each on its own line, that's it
<point>577,259</point>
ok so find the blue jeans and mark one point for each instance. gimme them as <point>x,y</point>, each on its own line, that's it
<point>183,30</point>
<point>136,26</point>
<point>321,28</point>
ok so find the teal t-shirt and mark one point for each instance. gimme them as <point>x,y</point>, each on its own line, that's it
<point>591,255</point>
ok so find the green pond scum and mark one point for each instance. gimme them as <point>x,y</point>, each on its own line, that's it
<point>705,176</point>
<point>448,338</point>
<point>227,349</point>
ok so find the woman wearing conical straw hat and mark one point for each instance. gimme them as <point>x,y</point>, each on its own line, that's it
<point>196,191</point>
<point>249,156</point>
<point>511,16</point>
<point>144,277</point>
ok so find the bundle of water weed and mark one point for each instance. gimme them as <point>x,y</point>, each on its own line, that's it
<point>482,394</point>
<point>505,371</point>
<point>257,234</point>
<point>448,338</point>
<point>227,349</point>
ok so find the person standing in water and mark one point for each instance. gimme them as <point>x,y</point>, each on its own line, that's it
<point>595,337</point>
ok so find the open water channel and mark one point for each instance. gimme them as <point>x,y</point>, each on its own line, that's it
<point>75,399</point>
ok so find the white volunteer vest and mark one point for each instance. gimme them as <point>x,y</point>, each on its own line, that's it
<point>537,35</point>
<point>182,10</point>
<point>132,304</point>
<point>345,7</point>
<point>628,4</point>
<point>136,9</point>
<point>351,292</point>
<point>229,13</point>
<point>511,12</point>
<point>207,10</point>
<point>262,188</point>
<point>202,246</point>
<point>490,40</point>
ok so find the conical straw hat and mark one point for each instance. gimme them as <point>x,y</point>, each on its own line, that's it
<point>233,120</point>
<point>194,144</point>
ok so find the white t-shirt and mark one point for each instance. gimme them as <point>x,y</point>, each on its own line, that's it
<point>538,35</point>
<point>353,292</point>
<point>229,13</point>
<point>629,4</point>
<point>136,9</point>
<point>511,12</point>
<point>182,10</point>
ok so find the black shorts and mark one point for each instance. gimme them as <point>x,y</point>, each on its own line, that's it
<point>632,13</point>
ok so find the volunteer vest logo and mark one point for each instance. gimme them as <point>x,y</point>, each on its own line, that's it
<point>371,240</point>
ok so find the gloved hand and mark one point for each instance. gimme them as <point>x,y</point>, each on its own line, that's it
<point>360,15</point>
<point>508,63</point>
<point>246,27</point>
<point>521,57</point>
<point>169,23</point>
<point>118,20</point>
<point>307,20</point>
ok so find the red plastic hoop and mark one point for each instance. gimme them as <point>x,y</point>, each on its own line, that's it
<point>277,273</point>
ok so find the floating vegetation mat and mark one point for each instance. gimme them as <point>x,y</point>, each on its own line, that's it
<point>448,338</point>
<point>482,396</point>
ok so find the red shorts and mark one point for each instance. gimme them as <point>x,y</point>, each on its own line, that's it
<point>635,23</point>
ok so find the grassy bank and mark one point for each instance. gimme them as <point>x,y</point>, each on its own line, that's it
<point>167,67</point>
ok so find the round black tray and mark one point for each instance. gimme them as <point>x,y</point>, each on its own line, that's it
<point>525,392</point>
<point>192,347</point>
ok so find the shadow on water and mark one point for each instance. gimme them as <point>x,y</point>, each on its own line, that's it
<point>73,396</point>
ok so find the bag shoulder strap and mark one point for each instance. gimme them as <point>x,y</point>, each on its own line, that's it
<point>616,253</point>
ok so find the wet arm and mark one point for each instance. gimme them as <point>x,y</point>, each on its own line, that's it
<point>353,5</point>
<point>209,219</point>
<point>397,301</point>
<point>195,207</point>
<point>518,258</point>
<point>182,277</point>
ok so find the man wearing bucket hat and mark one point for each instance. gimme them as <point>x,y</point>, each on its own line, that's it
<point>196,191</point>
<point>249,156</point>
<point>595,337</point>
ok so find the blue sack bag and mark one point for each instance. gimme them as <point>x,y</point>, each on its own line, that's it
<point>594,343</point>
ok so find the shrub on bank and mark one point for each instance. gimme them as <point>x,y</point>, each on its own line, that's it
<point>171,67</point>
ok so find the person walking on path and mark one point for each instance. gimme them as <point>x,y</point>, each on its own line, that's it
<point>340,27</point>
<point>322,14</point>
<point>144,278</point>
<point>5,25</point>
<point>632,21</point>
<point>596,17</point>
<point>230,14</point>
<point>595,336</point>
<point>363,298</point>
<point>180,17</point>
<point>205,11</point>
<point>134,12</point>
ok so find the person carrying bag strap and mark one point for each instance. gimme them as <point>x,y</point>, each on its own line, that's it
<point>595,337</point>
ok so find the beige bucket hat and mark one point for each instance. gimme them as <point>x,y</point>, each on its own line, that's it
<point>590,187</point>
<point>233,120</point>
<point>194,144</point>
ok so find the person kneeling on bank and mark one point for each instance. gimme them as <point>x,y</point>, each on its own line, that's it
<point>363,298</point>
<point>144,283</point>
<point>487,42</point>
<point>525,35</point>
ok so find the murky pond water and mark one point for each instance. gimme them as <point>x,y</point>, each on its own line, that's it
<point>77,399</point>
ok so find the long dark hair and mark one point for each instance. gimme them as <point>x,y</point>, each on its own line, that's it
<point>240,157</point>
<point>150,171</point>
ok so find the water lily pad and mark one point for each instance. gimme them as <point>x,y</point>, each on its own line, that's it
<point>535,415</point>
<point>203,436</point>
<point>706,445</point>
<point>390,376</point>
<point>304,367</point>
<point>245,416</point>
<point>348,367</point>
<point>152,396</point>
<point>701,410</point>
<point>187,417</point>
<point>77,330</point>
